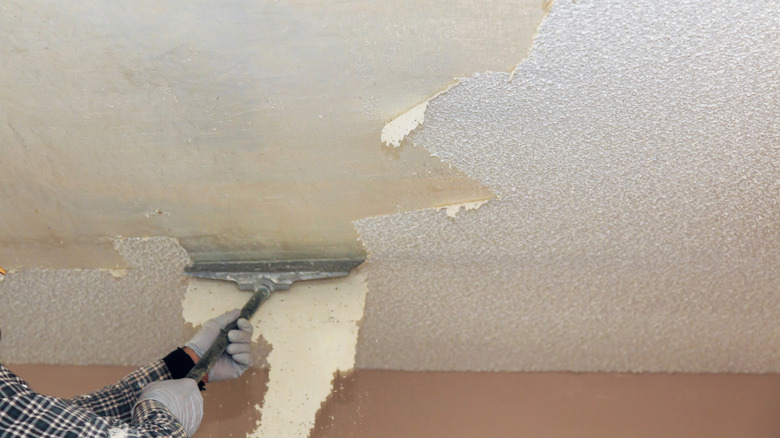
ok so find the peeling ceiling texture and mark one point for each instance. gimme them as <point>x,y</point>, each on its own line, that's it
<point>631,167</point>
<point>636,159</point>
<point>244,129</point>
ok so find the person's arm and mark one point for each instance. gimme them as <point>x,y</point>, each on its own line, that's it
<point>24,412</point>
<point>148,398</point>
<point>153,419</point>
<point>117,400</point>
<point>161,400</point>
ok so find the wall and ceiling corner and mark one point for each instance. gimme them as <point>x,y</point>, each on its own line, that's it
<point>630,166</point>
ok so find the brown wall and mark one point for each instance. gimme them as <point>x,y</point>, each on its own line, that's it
<point>380,404</point>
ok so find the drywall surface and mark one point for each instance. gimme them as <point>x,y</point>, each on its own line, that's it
<point>636,158</point>
<point>244,129</point>
<point>91,316</point>
<point>391,404</point>
<point>313,331</point>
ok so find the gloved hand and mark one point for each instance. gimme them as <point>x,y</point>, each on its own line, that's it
<point>181,397</point>
<point>237,357</point>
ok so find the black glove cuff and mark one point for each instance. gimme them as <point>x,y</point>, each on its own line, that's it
<point>179,363</point>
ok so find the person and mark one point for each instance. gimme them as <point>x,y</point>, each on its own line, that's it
<point>151,402</point>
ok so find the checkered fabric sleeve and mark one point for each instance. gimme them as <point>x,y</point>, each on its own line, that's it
<point>117,400</point>
<point>106,413</point>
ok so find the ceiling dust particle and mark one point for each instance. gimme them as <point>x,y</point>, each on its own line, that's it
<point>156,212</point>
<point>117,433</point>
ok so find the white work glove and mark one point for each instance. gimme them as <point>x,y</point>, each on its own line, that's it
<point>181,397</point>
<point>237,357</point>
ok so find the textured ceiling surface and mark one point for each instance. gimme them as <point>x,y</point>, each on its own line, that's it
<point>635,159</point>
<point>96,316</point>
<point>244,129</point>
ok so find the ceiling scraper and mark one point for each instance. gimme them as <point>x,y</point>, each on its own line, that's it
<point>263,278</point>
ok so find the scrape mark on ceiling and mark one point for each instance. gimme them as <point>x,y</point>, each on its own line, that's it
<point>313,331</point>
<point>243,129</point>
<point>634,155</point>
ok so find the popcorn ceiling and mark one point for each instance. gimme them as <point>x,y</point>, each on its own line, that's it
<point>635,156</point>
<point>635,159</point>
<point>97,316</point>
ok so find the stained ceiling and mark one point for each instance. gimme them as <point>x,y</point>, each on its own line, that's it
<point>630,163</point>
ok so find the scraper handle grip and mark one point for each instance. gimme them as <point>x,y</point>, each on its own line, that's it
<point>217,349</point>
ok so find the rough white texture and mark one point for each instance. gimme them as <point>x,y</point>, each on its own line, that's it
<point>94,316</point>
<point>636,156</point>
<point>313,329</point>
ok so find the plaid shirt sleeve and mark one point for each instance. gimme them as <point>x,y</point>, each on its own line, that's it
<point>104,413</point>
<point>117,400</point>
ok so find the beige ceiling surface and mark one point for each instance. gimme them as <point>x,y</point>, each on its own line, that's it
<point>244,129</point>
<point>634,157</point>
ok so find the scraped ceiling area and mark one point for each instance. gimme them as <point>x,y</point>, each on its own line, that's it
<point>242,129</point>
<point>626,174</point>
